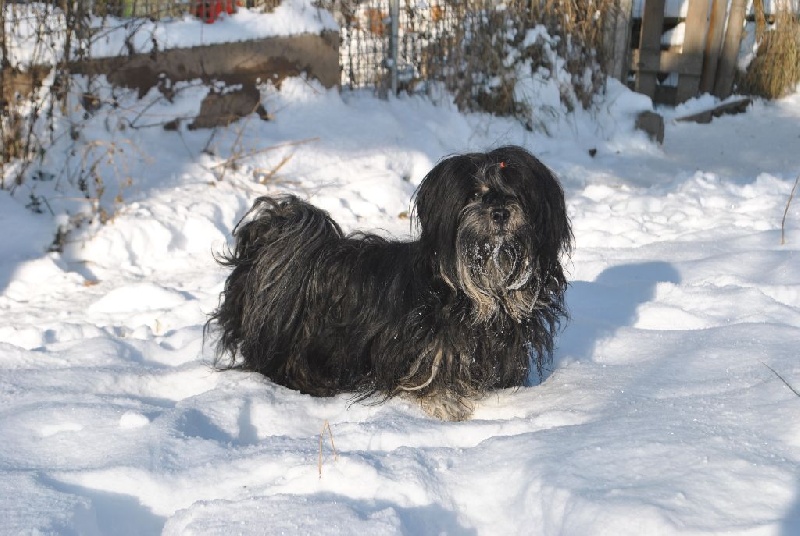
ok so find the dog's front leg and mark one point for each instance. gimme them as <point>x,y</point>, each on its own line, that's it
<point>432,394</point>
<point>446,405</point>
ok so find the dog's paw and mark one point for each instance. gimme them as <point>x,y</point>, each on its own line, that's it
<point>447,406</point>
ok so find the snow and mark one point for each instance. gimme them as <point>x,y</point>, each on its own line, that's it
<point>667,410</point>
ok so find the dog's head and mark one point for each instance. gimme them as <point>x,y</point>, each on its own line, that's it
<point>497,225</point>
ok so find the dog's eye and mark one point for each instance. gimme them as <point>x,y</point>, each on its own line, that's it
<point>477,195</point>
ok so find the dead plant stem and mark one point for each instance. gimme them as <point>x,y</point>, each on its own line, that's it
<point>781,378</point>
<point>786,211</point>
<point>326,426</point>
<point>248,154</point>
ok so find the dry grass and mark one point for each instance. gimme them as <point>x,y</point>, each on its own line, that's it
<point>775,71</point>
<point>326,427</point>
<point>581,24</point>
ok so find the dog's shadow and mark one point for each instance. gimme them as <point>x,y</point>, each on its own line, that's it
<point>600,307</point>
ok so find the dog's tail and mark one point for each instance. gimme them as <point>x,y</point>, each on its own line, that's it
<point>276,237</point>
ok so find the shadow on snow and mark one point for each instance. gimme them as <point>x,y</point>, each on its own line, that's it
<point>601,307</point>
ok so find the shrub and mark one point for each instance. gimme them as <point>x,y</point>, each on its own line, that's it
<point>526,59</point>
<point>775,69</point>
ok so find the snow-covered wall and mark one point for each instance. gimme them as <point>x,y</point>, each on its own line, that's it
<point>35,34</point>
<point>267,59</point>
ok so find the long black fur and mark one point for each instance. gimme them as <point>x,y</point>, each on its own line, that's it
<point>468,307</point>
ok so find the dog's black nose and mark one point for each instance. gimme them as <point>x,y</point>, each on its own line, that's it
<point>500,214</point>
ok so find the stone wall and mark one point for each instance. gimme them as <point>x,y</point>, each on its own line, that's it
<point>243,64</point>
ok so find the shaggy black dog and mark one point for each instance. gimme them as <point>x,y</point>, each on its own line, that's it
<point>468,307</point>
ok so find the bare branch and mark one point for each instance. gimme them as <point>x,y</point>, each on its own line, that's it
<point>781,378</point>
<point>786,211</point>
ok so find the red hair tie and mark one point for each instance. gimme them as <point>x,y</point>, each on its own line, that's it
<point>502,165</point>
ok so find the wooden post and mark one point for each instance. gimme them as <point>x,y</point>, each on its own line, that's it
<point>693,44</point>
<point>618,40</point>
<point>394,12</point>
<point>650,45</point>
<point>716,32</point>
<point>730,49</point>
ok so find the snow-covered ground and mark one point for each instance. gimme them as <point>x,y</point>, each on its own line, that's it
<point>669,408</point>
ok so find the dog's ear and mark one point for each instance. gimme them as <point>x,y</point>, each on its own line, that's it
<point>439,200</point>
<point>540,192</point>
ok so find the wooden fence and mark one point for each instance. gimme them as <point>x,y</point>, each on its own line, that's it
<point>705,62</point>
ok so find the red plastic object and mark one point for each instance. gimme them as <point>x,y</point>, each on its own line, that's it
<point>210,10</point>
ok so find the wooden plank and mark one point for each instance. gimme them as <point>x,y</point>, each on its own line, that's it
<point>650,42</point>
<point>667,62</point>
<point>716,31</point>
<point>730,49</point>
<point>693,45</point>
<point>618,37</point>
<point>736,107</point>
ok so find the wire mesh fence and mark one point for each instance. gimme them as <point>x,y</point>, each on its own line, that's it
<point>373,41</point>
<point>468,46</point>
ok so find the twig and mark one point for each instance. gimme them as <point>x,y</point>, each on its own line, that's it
<point>207,149</point>
<point>781,378</point>
<point>786,210</point>
<point>240,131</point>
<point>160,124</point>
<point>158,100</point>
<point>266,176</point>
<point>327,427</point>
<point>264,150</point>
